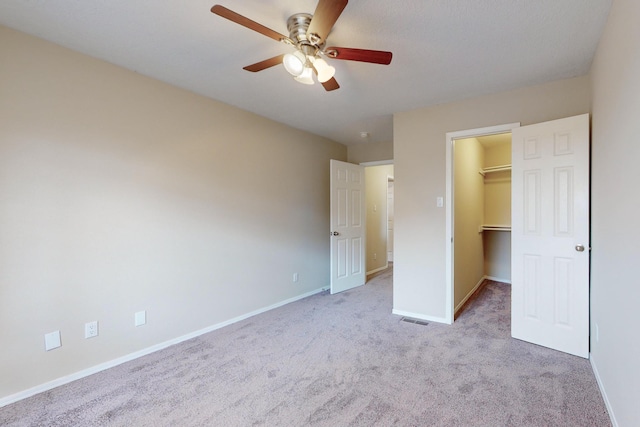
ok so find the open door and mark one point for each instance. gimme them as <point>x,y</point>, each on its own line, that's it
<point>347,226</point>
<point>550,235</point>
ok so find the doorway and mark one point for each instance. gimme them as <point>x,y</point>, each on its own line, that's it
<point>474,219</point>
<point>550,225</point>
<point>481,214</point>
<point>377,202</point>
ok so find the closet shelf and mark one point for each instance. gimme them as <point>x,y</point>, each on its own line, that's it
<point>490,227</point>
<point>490,169</point>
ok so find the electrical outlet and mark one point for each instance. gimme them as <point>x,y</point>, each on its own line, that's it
<point>91,329</point>
<point>375,256</point>
<point>140,318</point>
<point>295,277</point>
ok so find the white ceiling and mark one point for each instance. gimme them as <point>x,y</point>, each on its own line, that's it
<point>443,50</point>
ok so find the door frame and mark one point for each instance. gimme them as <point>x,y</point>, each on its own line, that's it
<point>449,205</point>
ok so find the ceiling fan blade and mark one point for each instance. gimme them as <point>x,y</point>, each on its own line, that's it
<point>325,16</point>
<point>362,55</point>
<point>246,22</point>
<point>330,85</point>
<point>263,65</point>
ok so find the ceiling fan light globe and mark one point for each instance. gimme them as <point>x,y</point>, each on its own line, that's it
<point>325,71</point>
<point>294,63</point>
<point>327,74</point>
<point>306,77</point>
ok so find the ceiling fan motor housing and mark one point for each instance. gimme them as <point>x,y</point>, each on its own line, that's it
<point>298,25</point>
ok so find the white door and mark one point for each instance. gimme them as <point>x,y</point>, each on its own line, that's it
<point>347,226</point>
<point>550,234</point>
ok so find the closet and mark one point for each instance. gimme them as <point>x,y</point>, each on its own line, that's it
<point>482,213</point>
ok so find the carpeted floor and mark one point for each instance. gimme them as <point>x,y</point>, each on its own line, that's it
<point>337,360</point>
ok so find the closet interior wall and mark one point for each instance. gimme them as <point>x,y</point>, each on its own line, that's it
<point>497,209</point>
<point>482,213</point>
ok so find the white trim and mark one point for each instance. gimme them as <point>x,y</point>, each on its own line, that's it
<point>469,295</point>
<point>420,316</point>
<point>497,279</point>
<point>607,403</point>
<point>377,163</point>
<point>450,137</point>
<point>384,267</point>
<point>135,355</point>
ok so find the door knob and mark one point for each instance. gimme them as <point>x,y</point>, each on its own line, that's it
<point>579,248</point>
<point>335,233</point>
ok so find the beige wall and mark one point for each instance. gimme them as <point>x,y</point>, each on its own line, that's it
<point>480,200</point>
<point>370,152</point>
<point>497,154</point>
<point>497,255</point>
<point>121,193</point>
<point>498,198</point>
<point>498,186</point>
<point>419,160</point>
<point>497,211</point>
<point>376,201</point>
<point>468,217</point>
<point>615,204</point>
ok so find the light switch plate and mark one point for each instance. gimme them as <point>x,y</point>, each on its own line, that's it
<point>140,318</point>
<point>52,340</point>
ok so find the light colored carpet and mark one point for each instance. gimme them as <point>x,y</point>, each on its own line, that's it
<point>337,360</point>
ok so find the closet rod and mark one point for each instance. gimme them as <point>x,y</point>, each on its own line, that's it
<point>494,169</point>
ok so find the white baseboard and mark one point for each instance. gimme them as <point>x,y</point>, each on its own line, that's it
<point>607,403</point>
<point>135,355</point>
<point>420,316</point>
<point>497,279</point>
<point>384,267</point>
<point>473,291</point>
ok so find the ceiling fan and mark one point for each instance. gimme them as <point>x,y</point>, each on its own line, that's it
<point>308,34</point>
